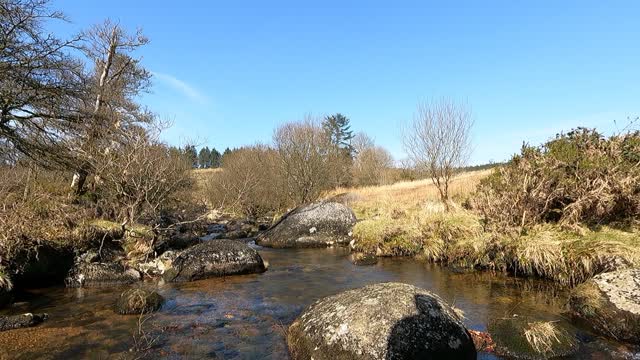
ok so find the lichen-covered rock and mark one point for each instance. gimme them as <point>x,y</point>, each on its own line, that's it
<point>610,304</point>
<point>138,301</point>
<point>315,225</point>
<point>21,321</point>
<point>383,321</point>
<point>523,338</point>
<point>214,258</point>
<point>363,259</point>
<point>100,274</point>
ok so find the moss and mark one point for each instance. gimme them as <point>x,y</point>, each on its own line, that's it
<point>95,231</point>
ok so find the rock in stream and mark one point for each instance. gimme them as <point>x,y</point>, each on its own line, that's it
<point>383,321</point>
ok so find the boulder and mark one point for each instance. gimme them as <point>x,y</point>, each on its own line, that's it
<point>100,274</point>
<point>382,321</point>
<point>21,321</point>
<point>138,301</point>
<point>610,304</point>
<point>214,258</point>
<point>523,338</point>
<point>315,225</point>
<point>363,259</point>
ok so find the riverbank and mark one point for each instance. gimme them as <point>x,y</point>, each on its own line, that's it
<point>407,219</point>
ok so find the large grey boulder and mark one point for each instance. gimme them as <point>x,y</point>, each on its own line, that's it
<point>383,321</point>
<point>319,224</point>
<point>101,274</point>
<point>214,258</point>
<point>20,321</point>
<point>610,304</point>
<point>138,301</point>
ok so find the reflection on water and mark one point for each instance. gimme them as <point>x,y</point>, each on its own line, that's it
<point>244,317</point>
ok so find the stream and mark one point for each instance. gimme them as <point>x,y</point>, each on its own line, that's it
<point>245,317</point>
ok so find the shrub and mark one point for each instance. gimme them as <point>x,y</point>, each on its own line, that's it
<point>250,183</point>
<point>306,159</point>
<point>580,177</point>
<point>141,176</point>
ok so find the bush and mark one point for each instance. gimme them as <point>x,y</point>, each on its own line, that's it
<point>250,183</point>
<point>308,164</point>
<point>580,177</point>
<point>141,177</point>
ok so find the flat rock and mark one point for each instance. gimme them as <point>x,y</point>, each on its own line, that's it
<point>382,321</point>
<point>214,258</point>
<point>319,224</point>
<point>610,304</point>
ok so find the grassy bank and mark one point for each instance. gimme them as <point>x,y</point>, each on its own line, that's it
<point>406,219</point>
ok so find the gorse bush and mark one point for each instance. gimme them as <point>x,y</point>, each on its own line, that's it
<point>580,177</point>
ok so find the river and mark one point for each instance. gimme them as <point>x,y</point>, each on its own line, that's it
<point>245,317</point>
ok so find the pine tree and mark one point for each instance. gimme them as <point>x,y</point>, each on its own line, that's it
<point>191,154</point>
<point>339,131</point>
<point>204,158</point>
<point>215,158</point>
<point>226,152</point>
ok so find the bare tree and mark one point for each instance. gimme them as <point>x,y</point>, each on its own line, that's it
<point>371,164</point>
<point>115,81</point>
<point>438,141</point>
<point>303,148</point>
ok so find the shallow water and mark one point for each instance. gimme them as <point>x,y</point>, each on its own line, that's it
<point>244,317</point>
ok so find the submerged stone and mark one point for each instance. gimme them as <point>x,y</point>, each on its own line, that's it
<point>610,304</point>
<point>214,258</point>
<point>362,259</point>
<point>382,321</point>
<point>319,224</point>
<point>21,321</point>
<point>138,301</point>
<point>523,338</point>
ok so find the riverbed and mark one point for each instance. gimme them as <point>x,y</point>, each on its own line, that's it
<point>245,317</point>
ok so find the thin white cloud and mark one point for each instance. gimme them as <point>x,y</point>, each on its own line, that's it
<point>186,89</point>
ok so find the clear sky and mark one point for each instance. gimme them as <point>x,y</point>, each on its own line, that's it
<point>228,72</point>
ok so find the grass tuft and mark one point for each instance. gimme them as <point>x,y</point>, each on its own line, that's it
<point>542,336</point>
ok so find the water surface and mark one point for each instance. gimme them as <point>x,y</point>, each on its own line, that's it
<point>245,317</point>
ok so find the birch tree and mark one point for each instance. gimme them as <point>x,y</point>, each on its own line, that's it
<point>438,141</point>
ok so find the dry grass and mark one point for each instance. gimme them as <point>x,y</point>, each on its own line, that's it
<point>409,196</point>
<point>407,218</point>
<point>570,257</point>
<point>5,281</point>
<point>542,336</point>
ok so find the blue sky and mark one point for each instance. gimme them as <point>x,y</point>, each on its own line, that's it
<point>227,73</point>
